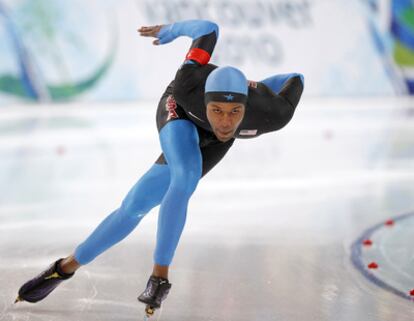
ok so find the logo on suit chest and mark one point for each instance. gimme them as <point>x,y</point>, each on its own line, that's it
<point>171,107</point>
<point>248,132</point>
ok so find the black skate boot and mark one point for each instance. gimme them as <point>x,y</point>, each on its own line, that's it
<point>40,286</point>
<point>156,292</point>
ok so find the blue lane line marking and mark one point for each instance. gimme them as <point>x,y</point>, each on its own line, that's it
<point>356,258</point>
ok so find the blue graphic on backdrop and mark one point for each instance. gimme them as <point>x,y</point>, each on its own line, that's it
<point>41,22</point>
<point>402,30</point>
<point>396,44</point>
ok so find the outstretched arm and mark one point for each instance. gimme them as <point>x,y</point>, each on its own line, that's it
<point>204,34</point>
<point>277,82</point>
<point>288,86</point>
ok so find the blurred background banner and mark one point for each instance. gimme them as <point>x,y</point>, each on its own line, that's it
<point>53,51</point>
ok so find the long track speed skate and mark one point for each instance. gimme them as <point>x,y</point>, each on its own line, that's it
<point>156,292</point>
<point>43,284</point>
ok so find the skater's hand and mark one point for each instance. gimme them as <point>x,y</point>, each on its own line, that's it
<point>151,31</point>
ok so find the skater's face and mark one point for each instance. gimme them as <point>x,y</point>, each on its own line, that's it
<point>225,118</point>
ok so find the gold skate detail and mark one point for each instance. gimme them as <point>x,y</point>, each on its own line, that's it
<point>54,276</point>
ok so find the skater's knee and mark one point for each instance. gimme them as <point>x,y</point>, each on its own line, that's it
<point>147,193</point>
<point>137,207</point>
<point>185,180</point>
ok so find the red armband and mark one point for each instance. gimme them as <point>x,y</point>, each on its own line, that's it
<point>199,55</point>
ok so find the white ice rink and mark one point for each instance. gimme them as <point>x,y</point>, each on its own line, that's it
<point>269,232</point>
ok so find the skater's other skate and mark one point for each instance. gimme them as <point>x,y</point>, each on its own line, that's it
<point>156,292</point>
<point>43,284</point>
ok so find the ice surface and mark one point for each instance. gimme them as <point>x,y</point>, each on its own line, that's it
<point>268,234</point>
